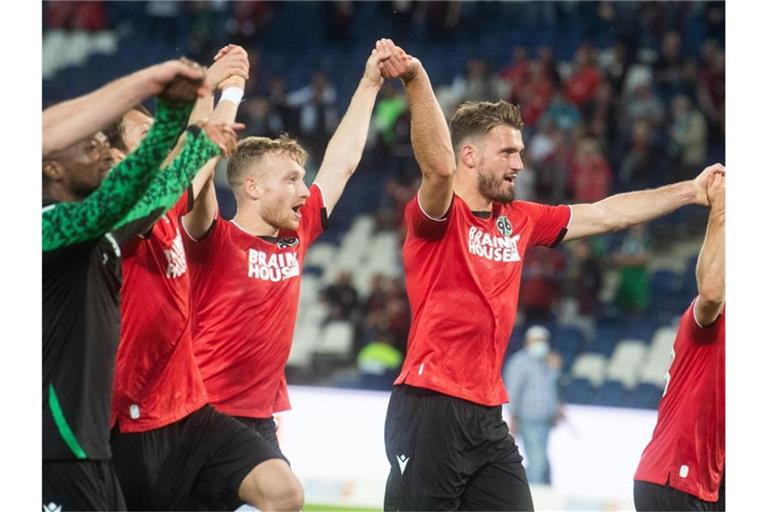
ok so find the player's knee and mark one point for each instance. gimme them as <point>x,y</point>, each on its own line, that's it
<point>287,496</point>
<point>272,486</point>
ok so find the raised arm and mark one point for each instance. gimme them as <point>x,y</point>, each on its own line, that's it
<point>346,146</point>
<point>623,210</point>
<point>69,223</point>
<point>199,220</point>
<point>200,152</point>
<point>71,121</point>
<point>230,62</point>
<point>710,269</point>
<point>430,136</point>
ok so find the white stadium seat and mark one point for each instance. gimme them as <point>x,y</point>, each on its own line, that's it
<point>590,366</point>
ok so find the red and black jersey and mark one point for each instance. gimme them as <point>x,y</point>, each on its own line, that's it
<point>157,381</point>
<point>687,448</point>
<point>245,294</point>
<point>463,275</point>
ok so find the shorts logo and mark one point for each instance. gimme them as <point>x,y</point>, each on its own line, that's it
<point>51,507</point>
<point>504,226</point>
<point>402,461</point>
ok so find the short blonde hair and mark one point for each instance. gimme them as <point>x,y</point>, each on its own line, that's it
<point>479,117</point>
<point>253,148</point>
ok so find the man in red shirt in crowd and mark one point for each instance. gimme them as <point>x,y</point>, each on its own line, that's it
<point>172,450</point>
<point>245,272</point>
<point>466,240</point>
<point>683,466</point>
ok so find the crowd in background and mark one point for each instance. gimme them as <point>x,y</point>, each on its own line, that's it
<point>638,101</point>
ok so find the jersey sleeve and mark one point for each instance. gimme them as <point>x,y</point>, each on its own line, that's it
<point>698,333</point>
<point>421,225</point>
<point>69,223</point>
<point>200,250</point>
<point>165,189</point>
<point>314,216</point>
<point>550,223</point>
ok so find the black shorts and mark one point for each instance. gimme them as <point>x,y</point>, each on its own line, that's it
<point>196,463</point>
<point>660,498</point>
<point>266,427</point>
<point>81,485</point>
<point>450,454</point>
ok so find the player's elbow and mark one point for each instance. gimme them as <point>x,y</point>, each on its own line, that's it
<point>712,293</point>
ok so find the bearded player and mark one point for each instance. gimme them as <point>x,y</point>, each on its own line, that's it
<point>466,240</point>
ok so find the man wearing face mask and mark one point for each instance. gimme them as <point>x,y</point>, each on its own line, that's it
<point>531,378</point>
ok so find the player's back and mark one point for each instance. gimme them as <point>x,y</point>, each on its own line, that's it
<point>688,444</point>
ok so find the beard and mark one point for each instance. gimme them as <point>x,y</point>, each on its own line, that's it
<point>279,217</point>
<point>495,189</point>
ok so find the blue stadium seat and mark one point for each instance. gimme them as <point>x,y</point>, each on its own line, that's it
<point>578,391</point>
<point>647,396</point>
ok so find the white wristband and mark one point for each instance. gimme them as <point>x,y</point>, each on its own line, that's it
<point>233,94</point>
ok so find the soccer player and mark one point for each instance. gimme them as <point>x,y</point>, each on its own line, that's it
<point>171,450</point>
<point>82,231</point>
<point>683,466</point>
<point>466,239</point>
<point>246,272</point>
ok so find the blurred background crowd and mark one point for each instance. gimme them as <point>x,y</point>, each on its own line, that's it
<point>615,96</point>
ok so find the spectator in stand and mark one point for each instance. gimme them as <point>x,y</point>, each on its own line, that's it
<point>387,311</point>
<point>517,72</point>
<point>540,285</point>
<point>260,119</point>
<point>632,261</point>
<point>613,65</point>
<point>531,377</point>
<point>338,17</point>
<point>669,66</point>
<point>642,164</point>
<point>341,298</point>
<point>547,60</point>
<point>711,91</point>
<point>562,112</point>
<point>289,116</point>
<point>535,94</point>
<point>549,151</point>
<point>318,117</point>
<point>89,16</point>
<point>687,135</point>
<point>249,20</point>
<point>477,83</point>
<point>581,86</point>
<point>389,108</point>
<point>601,116</point>
<point>644,105</point>
<point>440,18</point>
<point>583,284</point>
<point>589,176</point>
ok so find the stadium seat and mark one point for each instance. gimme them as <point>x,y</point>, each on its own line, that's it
<point>626,361</point>
<point>320,254</point>
<point>590,366</point>
<point>579,391</point>
<point>647,396</point>
<point>612,393</point>
<point>336,340</point>
<point>305,340</point>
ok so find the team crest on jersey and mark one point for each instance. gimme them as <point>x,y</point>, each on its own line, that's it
<point>284,243</point>
<point>504,226</point>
